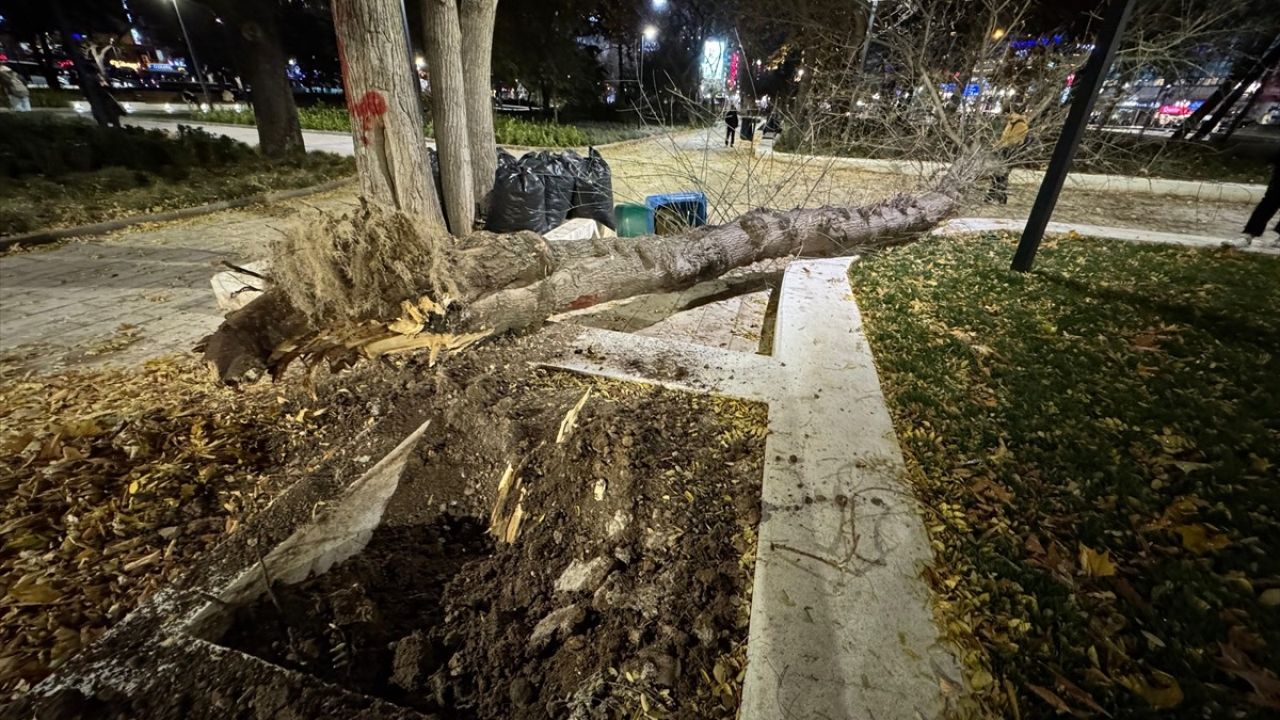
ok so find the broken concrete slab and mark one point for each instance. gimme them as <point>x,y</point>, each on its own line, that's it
<point>233,289</point>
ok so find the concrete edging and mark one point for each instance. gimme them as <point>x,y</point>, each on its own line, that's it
<point>842,623</point>
<point>1203,190</point>
<point>967,226</point>
<point>42,237</point>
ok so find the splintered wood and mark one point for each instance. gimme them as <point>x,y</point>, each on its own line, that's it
<point>505,519</point>
<point>374,339</point>
<point>503,525</point>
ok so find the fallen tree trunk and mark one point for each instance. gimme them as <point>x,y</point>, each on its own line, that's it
<point>515,282</point>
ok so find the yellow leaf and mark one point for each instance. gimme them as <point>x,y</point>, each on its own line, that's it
<point>981,679</point>
<point>29,590</point>
<point>1163,692</point>
<point>1095,564</point>
<point>1270,598</point>
<point>1200,540</point>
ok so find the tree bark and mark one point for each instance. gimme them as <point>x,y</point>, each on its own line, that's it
<point>517,281</point>
<point>382,97</point>
<point>260,60</point>
<point>41,46</point>
<point>99,104</point>
<point>477,19</point>
<point>274,109</point>
<point>449,112</point>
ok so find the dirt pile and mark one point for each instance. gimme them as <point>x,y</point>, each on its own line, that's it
<point>559,547</point>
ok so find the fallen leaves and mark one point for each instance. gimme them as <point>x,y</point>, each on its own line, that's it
<point>1096,564</point>
<point>113,480</point>
<point>1128,514</point>
<point>1162,691</point>
<point>1265,684</point>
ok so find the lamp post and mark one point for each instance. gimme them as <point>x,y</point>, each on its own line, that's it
<point>866,46</point>
<point>204,89</point>
<point>648,35</point>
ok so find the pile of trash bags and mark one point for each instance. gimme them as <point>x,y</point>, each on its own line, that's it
<point>542,189</point>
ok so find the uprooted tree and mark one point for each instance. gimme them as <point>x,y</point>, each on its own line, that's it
<point>391,277</point>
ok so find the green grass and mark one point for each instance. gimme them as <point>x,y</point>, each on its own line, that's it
<point>1096,445</point>
<point>508,130</point>
<point>59,172</point>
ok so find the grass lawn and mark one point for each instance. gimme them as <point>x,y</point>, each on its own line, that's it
<point>1097,445</point>
<point>59,172</point>
<point>507,130</point>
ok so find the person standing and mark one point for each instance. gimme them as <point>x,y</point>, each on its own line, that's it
<point>16,90</point>
<point>1011,140</point>
<point>731,127</point>
<point>1266,209</point>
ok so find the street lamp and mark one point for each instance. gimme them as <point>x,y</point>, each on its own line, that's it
<point>650,33</point>
<point>659,5</point>
<point>204,89</point>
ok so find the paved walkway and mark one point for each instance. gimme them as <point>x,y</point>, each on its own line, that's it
<point>332,142</point>
<point>133,295</point>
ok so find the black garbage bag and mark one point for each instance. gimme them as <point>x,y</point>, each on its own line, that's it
<point>519,199</point>
<point>433,158</point>
<point>557,173</point>
<point>593,190</point>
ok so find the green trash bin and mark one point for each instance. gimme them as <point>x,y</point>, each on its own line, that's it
<point>634,220</point>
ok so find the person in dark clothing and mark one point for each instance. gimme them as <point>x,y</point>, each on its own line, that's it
<point>1267,208</point>
<point>731,127</point>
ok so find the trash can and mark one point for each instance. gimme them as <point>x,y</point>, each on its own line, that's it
<point>748,129</point>
<point>634,220</point>
<point>675,212</point>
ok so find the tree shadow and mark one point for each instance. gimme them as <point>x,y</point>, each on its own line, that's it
<point>1226,327</point>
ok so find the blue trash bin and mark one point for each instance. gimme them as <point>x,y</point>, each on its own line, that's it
<point>673,212</point>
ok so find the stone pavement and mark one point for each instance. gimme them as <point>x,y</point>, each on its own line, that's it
<point>133,295</point>
<point>339,143</point>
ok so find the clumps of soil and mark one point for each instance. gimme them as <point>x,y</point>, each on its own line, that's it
<point>341,268</point>
<point>625,588</point>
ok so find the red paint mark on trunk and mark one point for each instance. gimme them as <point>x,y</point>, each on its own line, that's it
<point>585,301</point>
<point>368,111</point>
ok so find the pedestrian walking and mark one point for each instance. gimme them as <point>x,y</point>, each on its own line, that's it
<point>731,127</point>
<point>1266,210</point>
<point>15,89</point>
<point>1014,137</point>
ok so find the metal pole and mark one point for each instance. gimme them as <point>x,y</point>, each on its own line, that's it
<point>204,89</point>
<point>866,46</point>
<point>1083,97</point>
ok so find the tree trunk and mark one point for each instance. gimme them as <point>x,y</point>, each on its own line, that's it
<point>443,38</point>
<point>264,63</point>
<point>478,17</point>
<point>517,281</point>
<point>99,104</point>
<point>45,56</point>
<point>382,97</point>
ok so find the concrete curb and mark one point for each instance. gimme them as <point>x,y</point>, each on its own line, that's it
<point>1204,191</point>
<point>842,624</point>
<point>967,226</point>
<point>42,237</point>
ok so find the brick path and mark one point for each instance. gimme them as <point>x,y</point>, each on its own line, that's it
<point>67,305</point>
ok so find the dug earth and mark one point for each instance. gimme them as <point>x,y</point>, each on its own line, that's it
<point>557,547</point>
